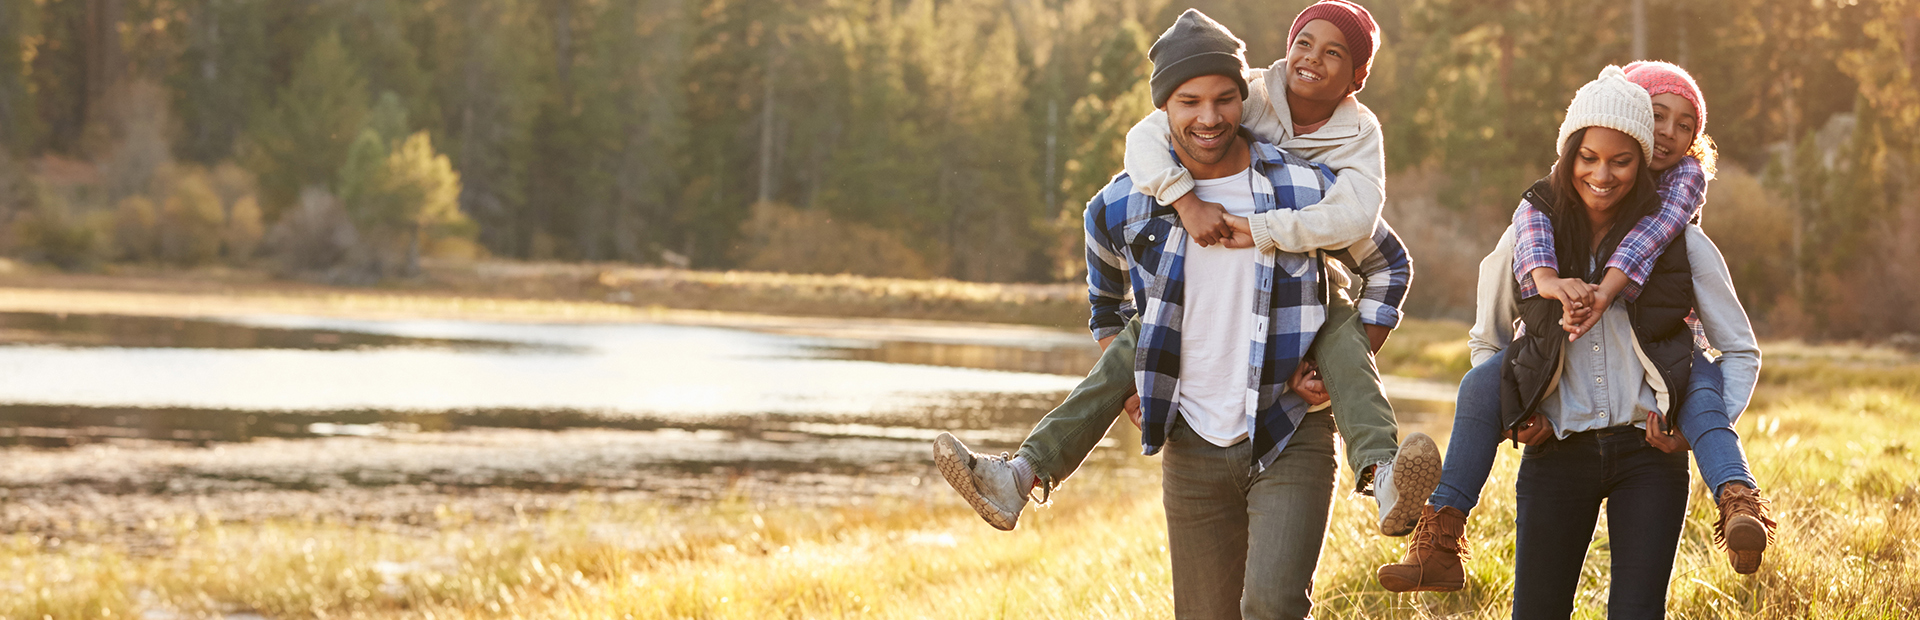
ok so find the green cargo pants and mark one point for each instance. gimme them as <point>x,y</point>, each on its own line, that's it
<point>1061,441</point>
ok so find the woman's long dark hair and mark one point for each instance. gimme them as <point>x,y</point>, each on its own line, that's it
<point>1573,232</point>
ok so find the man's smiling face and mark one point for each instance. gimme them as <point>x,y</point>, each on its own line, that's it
<point>1204,114</point>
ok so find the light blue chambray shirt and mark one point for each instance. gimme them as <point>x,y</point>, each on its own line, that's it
<point>1603,382</point>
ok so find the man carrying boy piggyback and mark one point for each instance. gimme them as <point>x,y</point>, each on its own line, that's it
<point>1223,331</point>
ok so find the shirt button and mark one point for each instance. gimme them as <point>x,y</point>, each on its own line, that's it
<point>1600,380</point>
<point>1152,238</point>
<point>1596,347</point>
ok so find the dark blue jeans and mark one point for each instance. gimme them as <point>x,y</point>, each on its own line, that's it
<point>1562,484</point>
<point>1475,438</point>
<point>1476,434</point>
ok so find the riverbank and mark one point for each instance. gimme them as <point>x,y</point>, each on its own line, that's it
<point>577,291</point>
<point>741,518</point>
<point>1839,467</point>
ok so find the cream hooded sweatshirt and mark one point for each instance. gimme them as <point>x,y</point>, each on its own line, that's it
<point>1349,143</point>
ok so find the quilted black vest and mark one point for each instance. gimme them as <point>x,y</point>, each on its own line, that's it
<point>1659,319</point>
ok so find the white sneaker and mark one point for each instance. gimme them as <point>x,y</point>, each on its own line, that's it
<point>986,481</point>
<point>1403,484</point>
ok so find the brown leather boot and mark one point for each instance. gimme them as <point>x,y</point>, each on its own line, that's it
<point>1744,529</point>
<point>1433,561</point>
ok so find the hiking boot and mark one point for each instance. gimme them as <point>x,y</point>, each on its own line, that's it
<point>1433,562</point>
<point>1403,484</point>
<point>1744,529</point>
<point>986,481</point>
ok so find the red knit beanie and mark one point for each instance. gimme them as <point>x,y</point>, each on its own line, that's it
<point>1661,78</point>
<point>1353,20</point>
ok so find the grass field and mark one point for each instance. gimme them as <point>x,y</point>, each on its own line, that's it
<point>1833,436</point>
<point>1838,462</point>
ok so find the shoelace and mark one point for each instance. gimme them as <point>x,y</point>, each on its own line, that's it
<point>1743,502</point>
<point>1427,536</point>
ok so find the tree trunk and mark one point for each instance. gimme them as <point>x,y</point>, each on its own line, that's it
<point>1639,29</point>
<point>104,62</point>
<point>563,51</point>
<point>766,123</point>
<point>412,267</point>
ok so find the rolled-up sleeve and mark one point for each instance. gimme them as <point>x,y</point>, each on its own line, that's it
<point>1383,262</point>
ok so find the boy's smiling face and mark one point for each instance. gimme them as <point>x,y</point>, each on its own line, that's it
<point>1319,64</point>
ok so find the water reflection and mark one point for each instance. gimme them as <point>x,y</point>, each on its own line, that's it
<point>396,420</point>
<point>97,330</point>
<point>1057,360</point>
<point>606,370</point>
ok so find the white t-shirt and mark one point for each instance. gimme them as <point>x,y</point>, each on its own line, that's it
<point>1216,323</point>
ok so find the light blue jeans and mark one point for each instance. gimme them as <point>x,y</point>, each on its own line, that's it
<point>1477,434</point>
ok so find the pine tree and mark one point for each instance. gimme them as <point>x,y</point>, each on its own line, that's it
<point>304,140</point>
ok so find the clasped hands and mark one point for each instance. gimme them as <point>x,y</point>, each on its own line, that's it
<point>1209,223</point>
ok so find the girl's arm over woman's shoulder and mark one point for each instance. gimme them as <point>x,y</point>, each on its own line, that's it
<point>1683,190</point>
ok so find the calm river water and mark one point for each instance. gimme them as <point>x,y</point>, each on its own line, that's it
<point>116,419</point>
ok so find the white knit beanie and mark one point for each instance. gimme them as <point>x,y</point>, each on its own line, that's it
<point>1613,102</point>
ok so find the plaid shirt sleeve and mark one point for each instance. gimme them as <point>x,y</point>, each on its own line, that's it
<point>1682,191</point>
<point>1106,266</point>
<point>1382,261</point>
<point>1532,246</point>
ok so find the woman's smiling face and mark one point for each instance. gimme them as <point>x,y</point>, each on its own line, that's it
<point>1605,167</point>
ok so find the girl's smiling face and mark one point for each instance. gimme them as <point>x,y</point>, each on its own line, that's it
<point>1319,64</point>
<point>1675,123</point>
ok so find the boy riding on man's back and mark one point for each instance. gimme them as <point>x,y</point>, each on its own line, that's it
<point>1303,103</point>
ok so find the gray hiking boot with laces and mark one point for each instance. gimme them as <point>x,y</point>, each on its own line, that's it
<point>985,481</point>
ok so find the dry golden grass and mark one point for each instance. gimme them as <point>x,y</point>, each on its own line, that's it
<point>1839,465</point>
<point>1832,436</point>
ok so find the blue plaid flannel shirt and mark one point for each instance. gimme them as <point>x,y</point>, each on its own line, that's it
<point>1136,255</point>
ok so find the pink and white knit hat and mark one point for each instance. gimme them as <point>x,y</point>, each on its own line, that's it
<point>1661,78</point>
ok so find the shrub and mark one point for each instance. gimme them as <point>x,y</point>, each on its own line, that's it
<point>136,226</point>
<point>403,199</point>
<point>55,233</point>
<point>191,222</point>
<point>244,230</point>
<point>781,238</point>
<point>315,235</point>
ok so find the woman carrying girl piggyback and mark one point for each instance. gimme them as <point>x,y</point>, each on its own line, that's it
<point>1683,157</point>
<point>1589,381</point>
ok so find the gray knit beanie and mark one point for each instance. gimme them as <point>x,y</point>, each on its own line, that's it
<point>1195,46</point>
<point>1614,102</point>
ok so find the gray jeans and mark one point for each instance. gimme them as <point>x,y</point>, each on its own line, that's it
<point>1245,545</point>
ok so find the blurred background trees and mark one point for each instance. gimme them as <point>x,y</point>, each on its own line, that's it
<point>921,138</point>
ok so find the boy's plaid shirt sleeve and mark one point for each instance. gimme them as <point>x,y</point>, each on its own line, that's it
<point>1107,280</point>
<point>1532,246</point>
<point>1382,261</point>
<point>1683,190</point>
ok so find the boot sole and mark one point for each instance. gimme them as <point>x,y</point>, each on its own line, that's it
<point>1416,472</point>
<point>1400,586</point>
<point>1746,544</point>
<point>956,465</point>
